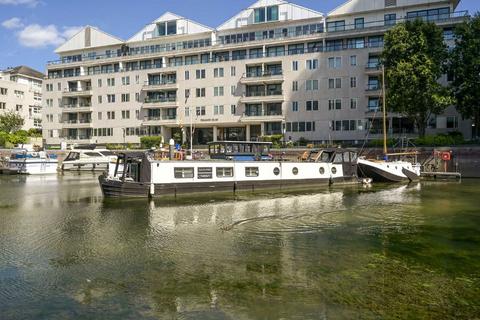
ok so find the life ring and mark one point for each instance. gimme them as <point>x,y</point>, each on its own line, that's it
<point>446,156</point>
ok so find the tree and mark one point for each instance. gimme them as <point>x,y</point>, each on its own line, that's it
<point>11,122</point>
<point>465,67</point>
<point>415,57</point>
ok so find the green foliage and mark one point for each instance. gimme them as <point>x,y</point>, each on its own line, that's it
<point>275,139</point>
<point>149,142</point>
<point>177,136</point>
<point>464,64</point>
<point>414,57</point>
<point>303,141</point>
<point>378,143</point>
<point>3,138</point>
<point>9,139</point>
<point>34,133</point>
<point>10,122</point>
<point>452,138</point>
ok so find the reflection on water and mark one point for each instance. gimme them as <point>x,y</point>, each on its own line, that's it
<point>380,252</point>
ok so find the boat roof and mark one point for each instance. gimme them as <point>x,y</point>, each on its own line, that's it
<point>240,142</point>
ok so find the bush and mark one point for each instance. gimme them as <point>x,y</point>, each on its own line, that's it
<point>452,138</point>
<point>150,142</point>
<point>275,139</point>
<point>34,133</point>
<point>18,137</point>
<point>303,141</point>
<point>3,138</point>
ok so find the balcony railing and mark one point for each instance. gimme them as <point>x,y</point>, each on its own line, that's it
<point>77,105</point>
<point>263,93</point>
<point>75,89</point>
<point>161,118</point>
<point>262,114</point>
<point>373,87</point>
<point>77,121</point>
<point>160,82</point>
<point>160,100</point>
<point>80,137</point>
<point>266,73</point>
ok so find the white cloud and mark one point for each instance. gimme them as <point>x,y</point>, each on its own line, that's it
<point>29,3</point>
<point>13,23</point>
<point>37,36</point>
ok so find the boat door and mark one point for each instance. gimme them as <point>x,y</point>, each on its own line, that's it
<point>349,163</point>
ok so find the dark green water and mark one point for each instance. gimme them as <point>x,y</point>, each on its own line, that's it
<point>402,252</point>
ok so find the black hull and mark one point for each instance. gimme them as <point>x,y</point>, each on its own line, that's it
<point>112,189</point>
<point>412,176</point>
<point>378,175</point>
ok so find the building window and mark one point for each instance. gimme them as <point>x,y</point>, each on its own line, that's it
<point>353,103</point>
<point>233,109</point>
<point>125,97</point>
<point>353,82</point>
<point>336,26</point>
<point>200,92</point>
<point>259,15</point>
<point>218,91</point>
<point>334,83</point>
<point>187,75</point>
<point>125,114</point>
<point>217,110</point>
<point>233,89</point>
<point>251,172</point>
<point>99,116</point>
<point>99,83</point>
<point>100,99</point>
<point>295,65</point>
<point>311,85</point>
<point>335,104</point>
<point>312,64</point>
<point>110,98</point>
<point>353,61</point>
<point>452,122</point>
<point>183,173</point>
<point>200,74</point>
<point>272,13</point>
<point>295,86</point>
<point>390,19</point>
<point>335,62</point>
<point>200,111</point>
<point>295,106</point>
<point>126,80</point>
<point>359,23</point>
<point>233,71</point>
<point>111,82</point>
<point>311,105</point>
<point>218,73</point>
<point>225,172</point>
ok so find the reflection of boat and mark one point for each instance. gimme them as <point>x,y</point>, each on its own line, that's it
<point>87,159</point>
<point>26,160</point>
<point>387,170</point>
<point>139,174</point>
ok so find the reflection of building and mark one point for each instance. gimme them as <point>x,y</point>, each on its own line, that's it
<point>21,92</point>
<point>274,68</point>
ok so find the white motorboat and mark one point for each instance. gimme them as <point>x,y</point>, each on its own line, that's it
<point>25,159</point>
<point>89,159</point>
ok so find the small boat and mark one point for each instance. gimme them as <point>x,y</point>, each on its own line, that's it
<point>387,170</point>
<point>142,175</point>
<point>25,159</point>
<point>88,159</point>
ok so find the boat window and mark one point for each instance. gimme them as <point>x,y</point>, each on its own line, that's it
<point>92,154</point>
<point>353,156</point>
<point>183,173</point>
<point>338,158</point>
<point>326,157</point>
<point>225,172</point>
<point>204,173</point>
<point>346,157</point>
<point>251,172</point>
<point>321,170</point>
<point>295,171</point>
<point>334,170</point>
<point>276,171</point>
<point>107,153</point>
<point>73,156</point>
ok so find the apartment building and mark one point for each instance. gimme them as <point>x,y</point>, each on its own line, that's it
<point>21,92</point>
<point>274,68</point>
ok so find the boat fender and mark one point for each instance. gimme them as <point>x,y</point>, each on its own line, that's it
<point>152,189</point>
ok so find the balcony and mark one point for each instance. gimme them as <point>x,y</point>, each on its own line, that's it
<point>264,77</point>
<point>373,90</point>
<point>160,120</point>
<point>78,107</point>
<point>155,103</point>
<point>160,85</point>
<point>259,116</point>
<point>262,96</point>
<point>77,124</point>
<point>77,92</point>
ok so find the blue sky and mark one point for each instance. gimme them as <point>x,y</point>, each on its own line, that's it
<point>31,29</point>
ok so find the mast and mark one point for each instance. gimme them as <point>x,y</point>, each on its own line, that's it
<point>384,111</point>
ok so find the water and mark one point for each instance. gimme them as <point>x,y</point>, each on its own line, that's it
<point>385,252</point>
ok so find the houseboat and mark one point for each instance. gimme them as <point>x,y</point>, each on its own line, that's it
<point>88,159</point>
<point>141,175</point>
<point>25,159</point>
